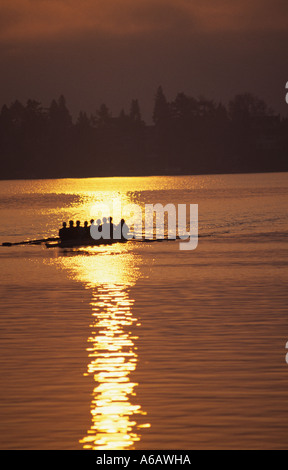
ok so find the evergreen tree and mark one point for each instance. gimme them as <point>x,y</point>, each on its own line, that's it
<point>64,113</point>
<point>135,113</point>
<point>161,107</point>
<point>103,116</point>
<point>59,114</point>
<point>246,106</point>
<point>17,113</point>
<point>83,122</point>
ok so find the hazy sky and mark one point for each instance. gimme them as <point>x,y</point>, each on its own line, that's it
<point>113,51</point>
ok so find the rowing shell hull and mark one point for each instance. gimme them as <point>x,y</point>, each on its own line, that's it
<point>81,243</point>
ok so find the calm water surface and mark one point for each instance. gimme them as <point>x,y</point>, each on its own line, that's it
<point>141,345</point>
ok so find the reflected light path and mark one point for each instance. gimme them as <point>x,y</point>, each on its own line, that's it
<point>113,357</point>
<point>112,350</point>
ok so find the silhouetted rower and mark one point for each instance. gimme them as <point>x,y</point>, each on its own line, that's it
<point>124,230</point>
<point>80,231</point>
<point>86,230</point>
<point>105,229</point>
<point>95,230</point>
<point>64,232</point>
<point>91,228</point>
<point>99,225</point>
<point>71,231</point>
<point>111,228</point>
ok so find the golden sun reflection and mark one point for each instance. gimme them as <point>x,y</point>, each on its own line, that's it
<point>116,418</point>
<point>113,357</point>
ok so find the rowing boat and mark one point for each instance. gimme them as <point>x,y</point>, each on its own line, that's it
<point>82,243</point>
<point>58,243</point>
<point>90,243</point>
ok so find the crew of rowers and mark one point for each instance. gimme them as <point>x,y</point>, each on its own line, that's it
<point>104,229</point>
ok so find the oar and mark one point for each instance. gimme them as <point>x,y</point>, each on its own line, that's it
<point>31,242</point>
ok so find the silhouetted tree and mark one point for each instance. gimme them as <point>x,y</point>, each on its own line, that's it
<point>249,117</point>
<point>135,113</point>
<point>161,107</point>
<point>103,117</point>
<point>17,113</point>
<point>8,148</point>
<point>6,124</point>
<point>59,143</point>
<point>83,123</point>
<point>59,114</point>
<point>190,135</point>
<point>123,116</point>
<point>246,106</point>
<point>184,108</point>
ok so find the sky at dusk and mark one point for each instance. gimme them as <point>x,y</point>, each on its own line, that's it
<point>113,51</point>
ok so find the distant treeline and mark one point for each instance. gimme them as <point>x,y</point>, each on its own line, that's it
<point>188,136</point>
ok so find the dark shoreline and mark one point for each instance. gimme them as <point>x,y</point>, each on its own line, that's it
<point>188,136</point>
<point>147,175</point>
